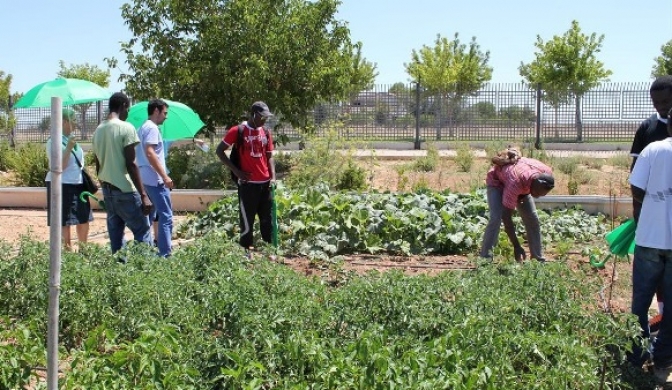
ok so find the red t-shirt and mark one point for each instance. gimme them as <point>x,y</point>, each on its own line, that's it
<point>253,151</point>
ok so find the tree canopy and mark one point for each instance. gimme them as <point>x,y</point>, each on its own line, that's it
<point>450,68</point>
<point>566,65</point>
<point>87,72</point>
<point>7,119</point>
<point>220,56</point>
<point>663,63</point>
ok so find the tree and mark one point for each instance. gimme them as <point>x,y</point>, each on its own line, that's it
<point>220,56</point>
<point>450,71</point>
<point>7,119</point>
<point>663,63</point>
<point>567,68</point>
<point>85,72</point>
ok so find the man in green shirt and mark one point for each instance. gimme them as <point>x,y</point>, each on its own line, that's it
<point>126,202</point>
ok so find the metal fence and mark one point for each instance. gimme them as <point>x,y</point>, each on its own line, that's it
<point>32,124</point>
<point>610,112</point>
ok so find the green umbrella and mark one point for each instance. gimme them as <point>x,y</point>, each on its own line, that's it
<point>182,121</point>
<point>71,91</point>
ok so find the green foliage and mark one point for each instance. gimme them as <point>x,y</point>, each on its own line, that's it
<point>326,160</point>
<point>429,161</point>
<point>566,65</point>
<point>567,165</point>
<point>283,163</point>
<point>572,186</point>
<point>88,72</point>
<point>663,63</point>
<point>567,68</point>
<point>317,223</point>
<point>291,54</point>
<point>353,177</point>
<point>7,119</point>
<point>450,68</point>
<point>5,152</point>
<point>192,168</point>
<point>210,319</point>
<point>30,164</point>
<point>518,114</point>
<point>621,161</point>
<point>464,158</point>
<point>84,71</point>
<point>21,349</point>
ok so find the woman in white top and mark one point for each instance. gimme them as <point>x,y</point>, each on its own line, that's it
<point>74,211</point>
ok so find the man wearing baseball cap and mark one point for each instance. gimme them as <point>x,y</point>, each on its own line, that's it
<point>254,170</point>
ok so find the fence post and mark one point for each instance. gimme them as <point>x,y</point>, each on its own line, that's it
<point>10,105</point>
<point>99,111</point>
<point>537,142</point>
<point>417,116</point>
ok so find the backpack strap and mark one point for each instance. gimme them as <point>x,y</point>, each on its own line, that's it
<point>239,139</point>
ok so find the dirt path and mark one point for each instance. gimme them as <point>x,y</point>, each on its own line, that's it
<point>17,223</point>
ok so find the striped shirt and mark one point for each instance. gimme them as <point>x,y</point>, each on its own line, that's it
<point>515,179</point>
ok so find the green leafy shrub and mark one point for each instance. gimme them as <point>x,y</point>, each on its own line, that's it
<point>464,158</point>
<point>567,165</point>
<point>429,162</point>
<point>210,319</point>
<point>283,163</point>
<point>192,168</point>
<point>325,160</point>
<point>353,177</point>
<point>30,165</point>
<point>5,151</point>
<point>319,223</point>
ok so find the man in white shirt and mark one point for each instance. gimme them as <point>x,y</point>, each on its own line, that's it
<point>151,160</point>
<point>651,184</point>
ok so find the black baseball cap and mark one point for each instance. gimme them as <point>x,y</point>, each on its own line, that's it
<point>261,108</point>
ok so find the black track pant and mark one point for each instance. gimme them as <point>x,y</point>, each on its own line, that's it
<point>254,199</point>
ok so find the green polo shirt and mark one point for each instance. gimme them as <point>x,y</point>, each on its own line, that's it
<point>109,141</point>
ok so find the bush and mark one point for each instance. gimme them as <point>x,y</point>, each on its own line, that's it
<point>325,161</point>
<point>353,177</point>
<point>429,162</point>
<point>283,163</point>
<point>464,158</point>
<point>5,151</point>
<point>191,168</point>
<point>30,164</point>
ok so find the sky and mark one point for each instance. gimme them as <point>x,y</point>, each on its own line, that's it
<point>37,34</point>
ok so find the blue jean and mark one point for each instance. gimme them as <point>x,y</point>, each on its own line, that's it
<point>650,268</point>
<point>125,209</point>
<point>528,213</point>
<point>162,212</point>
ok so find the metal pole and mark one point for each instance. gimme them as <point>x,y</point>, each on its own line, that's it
<point>56,169</point>
<point>417,116</point>
<point>537,142</point>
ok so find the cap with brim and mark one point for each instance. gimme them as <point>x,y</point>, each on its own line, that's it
<point>69,115</point>
<point>547,180</point>
<point>261,108</point>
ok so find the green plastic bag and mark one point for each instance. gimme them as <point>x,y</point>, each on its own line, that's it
<point>621,242</point>
<point>274,218</point>
<point>622,239</point>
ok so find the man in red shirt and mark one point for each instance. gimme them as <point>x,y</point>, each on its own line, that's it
<point>255,174</point>
<point>512,186</point>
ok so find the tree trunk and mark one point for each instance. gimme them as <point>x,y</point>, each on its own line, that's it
<point>578,121</point>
